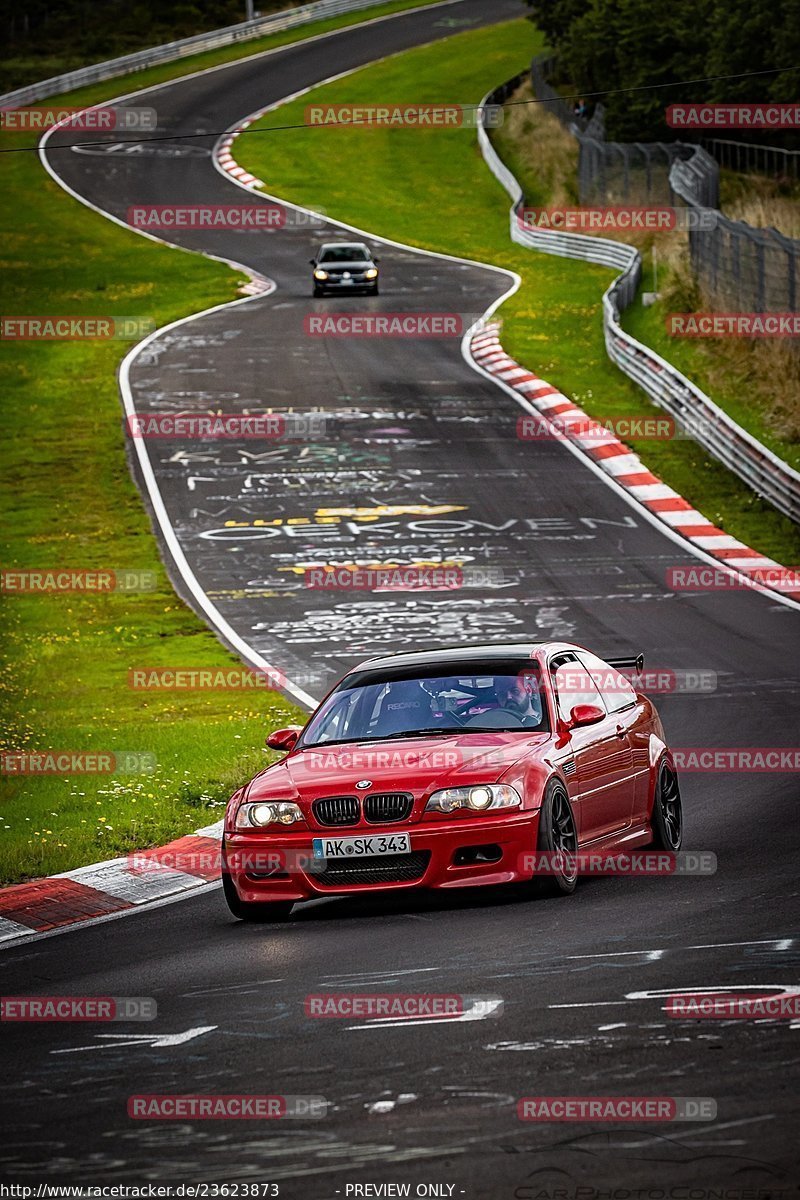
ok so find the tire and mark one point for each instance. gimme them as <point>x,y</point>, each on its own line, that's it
<point>376,290</point>
<point>274,910</point>
<point>317,292</point>
<point>667,819</point>
<point>557,832</point>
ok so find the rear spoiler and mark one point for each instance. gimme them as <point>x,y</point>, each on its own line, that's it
<point>634,663</point>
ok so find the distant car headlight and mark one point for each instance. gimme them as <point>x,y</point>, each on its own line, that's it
<point>320,274</point>
<point>256,815</point>
<point>481,798</point>
<point>371,273</point>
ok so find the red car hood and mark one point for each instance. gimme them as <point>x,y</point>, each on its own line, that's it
<point>418,765</point>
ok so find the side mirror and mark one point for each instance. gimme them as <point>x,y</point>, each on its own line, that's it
<point>284,739</point>
<point>585,714</point>
<point>376,261</point>
<point>313,262</point>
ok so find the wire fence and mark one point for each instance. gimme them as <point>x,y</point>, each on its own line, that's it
<point>740,268</point>
<point>626,172</point>
<point>749,158</point>
<point>744,269</point>
<point>541,68</point>
<point>693,410</point>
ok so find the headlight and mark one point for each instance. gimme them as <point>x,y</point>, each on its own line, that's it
<point>259,814</point>
<point>320,274</point>
<point>480,798</point>
<point>372,273</point>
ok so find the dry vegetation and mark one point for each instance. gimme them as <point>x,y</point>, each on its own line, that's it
<point>544,157</point>
<point>762,202</point>
<point>544,153</point>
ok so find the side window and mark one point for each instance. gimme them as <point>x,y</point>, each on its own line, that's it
<point>573,685</point>
<point>617,691</point>
<point>334,723</point>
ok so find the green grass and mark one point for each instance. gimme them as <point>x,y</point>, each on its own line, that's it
<point>107,90</point>
<point>432,189</point>
<point>757,385</point>
<point>66,44</point>
<point>69,502</point>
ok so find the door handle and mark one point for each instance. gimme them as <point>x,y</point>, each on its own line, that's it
<point>620,731</point>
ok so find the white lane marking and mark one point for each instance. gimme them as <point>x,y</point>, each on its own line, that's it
<point>386,1106</point>
<point>590,1004</point>
<point>652,954</point>
<point>480,1010</point>
<point>714,990</point>
<point>212,613</point>
<point>683,990</point>
<point>776,943</point>
<point>113,1041</point>
<point>380,976</point>
<point>698,1132</point>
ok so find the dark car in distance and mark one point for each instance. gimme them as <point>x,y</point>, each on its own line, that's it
<point>344,267</point>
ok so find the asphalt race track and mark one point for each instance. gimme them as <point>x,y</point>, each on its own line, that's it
<point>582,980</point>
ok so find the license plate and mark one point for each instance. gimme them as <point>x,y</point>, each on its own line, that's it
<point>361,847</point>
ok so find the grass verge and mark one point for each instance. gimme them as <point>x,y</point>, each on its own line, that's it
<point>431,189</point>
<point>757,382</point>
<point>69,503</point>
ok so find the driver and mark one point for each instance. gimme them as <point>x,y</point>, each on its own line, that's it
<point>520,696</point>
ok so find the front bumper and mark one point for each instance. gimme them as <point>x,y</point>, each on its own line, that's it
<point>266,867</point>
<point>344,285</point>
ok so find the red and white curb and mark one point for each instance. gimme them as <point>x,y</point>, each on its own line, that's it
<point>627,470</point>
<point>109,888</point>
<point>257,285</point>
<point>222,154</point>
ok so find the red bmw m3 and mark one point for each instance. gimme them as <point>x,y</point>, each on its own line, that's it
<point>453,768</point>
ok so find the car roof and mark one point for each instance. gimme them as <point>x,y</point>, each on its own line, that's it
<point>344,246</point>
<point>460,654</point>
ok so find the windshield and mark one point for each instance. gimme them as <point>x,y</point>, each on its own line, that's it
<point>344,254</point>
<point>506,699</point>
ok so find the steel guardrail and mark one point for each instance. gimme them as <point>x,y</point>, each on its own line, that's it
<point>170,51</point>
<point>693,411</point>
